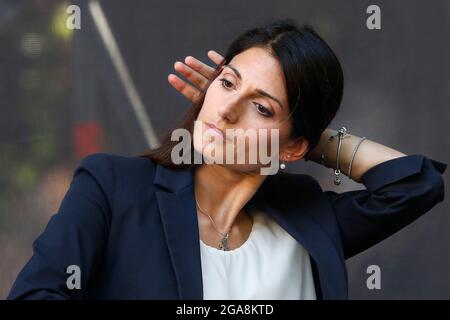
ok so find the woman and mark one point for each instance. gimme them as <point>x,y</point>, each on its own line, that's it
<point>146,227</point>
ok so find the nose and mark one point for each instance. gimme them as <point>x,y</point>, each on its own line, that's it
<point>229,110</point>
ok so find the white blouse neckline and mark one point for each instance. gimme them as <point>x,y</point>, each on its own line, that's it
<point>256,221</point>
<point>270,264</point>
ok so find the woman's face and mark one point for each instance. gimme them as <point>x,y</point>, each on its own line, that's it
<point>249,93</point>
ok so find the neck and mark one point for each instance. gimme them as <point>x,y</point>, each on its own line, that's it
<point>222,192</point>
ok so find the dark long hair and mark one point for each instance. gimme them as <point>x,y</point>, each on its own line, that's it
<point>313,74</point>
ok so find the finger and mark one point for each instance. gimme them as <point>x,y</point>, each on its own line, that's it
<point>190,92</point>
<point>215,57</point>
<point>193,76</point>
<point>200,67</point>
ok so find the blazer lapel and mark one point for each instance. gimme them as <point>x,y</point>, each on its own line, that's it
<point>178,214</point>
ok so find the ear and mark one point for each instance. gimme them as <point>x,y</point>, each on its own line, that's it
<point>295,149</point>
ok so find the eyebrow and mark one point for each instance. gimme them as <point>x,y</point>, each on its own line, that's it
<point>261,92</point>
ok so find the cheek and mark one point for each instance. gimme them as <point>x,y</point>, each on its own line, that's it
<point>274,138</point>
<point>268,139</point>
<point>284,137</point>
<point>212,96</point>
<point>260,140</point>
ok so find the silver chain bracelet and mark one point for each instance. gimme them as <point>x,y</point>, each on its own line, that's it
<point>341,134</point>
<point>353,157</point>
<point>337,172</point>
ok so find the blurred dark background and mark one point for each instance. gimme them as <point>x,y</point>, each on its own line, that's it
<point>67,93</point>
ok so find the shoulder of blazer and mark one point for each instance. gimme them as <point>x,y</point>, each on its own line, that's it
<point>290,185</point>
<point>292,192</point>
<point>109,168</point>
<point>118,175</point>
<point>298,194</point>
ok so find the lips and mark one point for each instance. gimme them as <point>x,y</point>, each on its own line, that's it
<point>215,130</point>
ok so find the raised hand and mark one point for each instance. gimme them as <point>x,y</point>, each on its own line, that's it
<point>196,72</point>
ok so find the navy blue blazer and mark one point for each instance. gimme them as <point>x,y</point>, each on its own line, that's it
<point>131,226</point>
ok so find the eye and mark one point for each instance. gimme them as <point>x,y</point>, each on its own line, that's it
<point>226,84</point>
<point>263,110</point>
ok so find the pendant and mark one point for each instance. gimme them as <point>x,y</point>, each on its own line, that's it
<point>224,243</point>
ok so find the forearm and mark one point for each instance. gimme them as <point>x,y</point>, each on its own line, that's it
<point>368,155</point>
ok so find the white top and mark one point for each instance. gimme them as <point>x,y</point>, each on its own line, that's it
<point>270,264</point>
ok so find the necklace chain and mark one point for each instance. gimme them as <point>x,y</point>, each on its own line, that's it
<point>214,224</point>
<point>224,241</point>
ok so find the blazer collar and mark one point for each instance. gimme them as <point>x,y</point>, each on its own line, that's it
<point>176,201</point>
